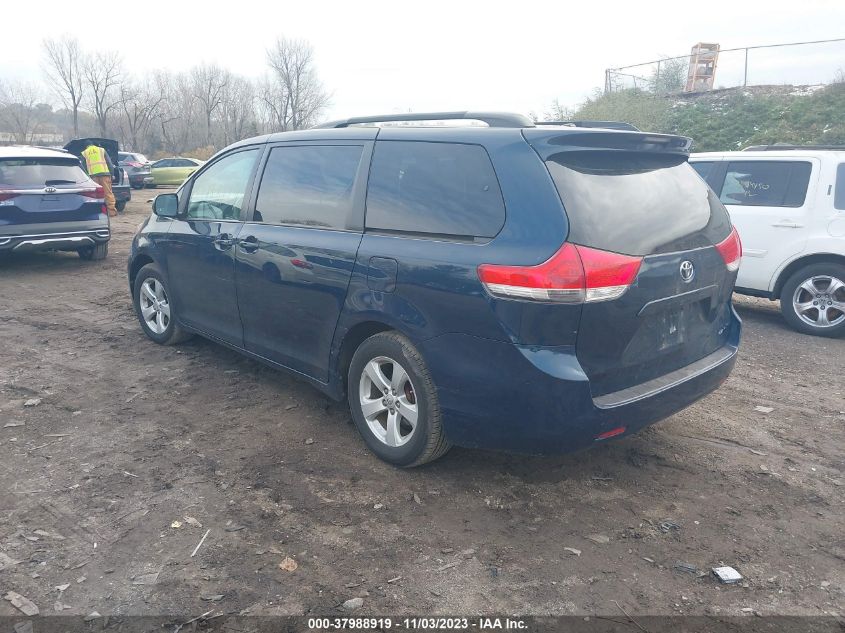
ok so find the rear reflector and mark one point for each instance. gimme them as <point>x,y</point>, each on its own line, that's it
<point>731,250</point>
<point>574,274</point>
<point>611,433</point>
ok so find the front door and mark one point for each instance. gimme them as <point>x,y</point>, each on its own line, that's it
<point>200,247</point>
<point>295,255</point>
<point>770,206</point>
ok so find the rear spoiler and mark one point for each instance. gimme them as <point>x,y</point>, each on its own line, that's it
<point>608,125</point>
<point>548,142</point>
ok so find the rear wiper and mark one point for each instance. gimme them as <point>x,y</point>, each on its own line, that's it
<point>59,181</point>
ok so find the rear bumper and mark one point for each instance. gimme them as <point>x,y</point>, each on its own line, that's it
<point>54,241</point>
<point>537,400</point>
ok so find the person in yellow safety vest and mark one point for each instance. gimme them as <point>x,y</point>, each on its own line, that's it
<point>100,168</point>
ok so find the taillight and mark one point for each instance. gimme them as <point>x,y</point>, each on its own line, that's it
<point>133,164</point>
<point>7,195</point>
<point>731,250</point>
<point>574,274</point>
<point>98,193</point>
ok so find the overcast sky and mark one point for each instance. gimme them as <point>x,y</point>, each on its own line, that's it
<point>382,57</point>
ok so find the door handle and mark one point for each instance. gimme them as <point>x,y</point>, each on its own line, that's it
<point>249,244</point>
<point>223,242</point>
<point>788,224</point>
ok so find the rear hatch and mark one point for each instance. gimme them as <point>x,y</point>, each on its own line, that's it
<point>635,195</point>
<point>45,190</point>
<point>112,147</point>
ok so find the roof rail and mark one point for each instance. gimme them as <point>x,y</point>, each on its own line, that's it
<point>492,119</point>
<point>786,146</point>
<point>610,125</point>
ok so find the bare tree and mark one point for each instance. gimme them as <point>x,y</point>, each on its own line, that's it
<point>295,96</point>
<point>557,112</point>
<point>19,110</point>
<point>63,65</point>
<point>208,83</point>
<point>102,72</point>
<point>237,109</point>
<point>139,104</point>
<point>177,111</point>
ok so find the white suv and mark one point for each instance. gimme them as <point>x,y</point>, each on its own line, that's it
<point>788,204</point>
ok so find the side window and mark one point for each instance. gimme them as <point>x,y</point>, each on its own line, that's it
<point>703,168</point>
<point>182,162</point>
<point>766,183</point>
<point>839,188</point>
<point>218,193</point>
<point>308,185</point>
<point>437,188</point>
<point>164,162</point>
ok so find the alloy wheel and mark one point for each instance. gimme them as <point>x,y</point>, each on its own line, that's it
<point>388,401</point>
<point>155,307</point>
<point>820,301</point>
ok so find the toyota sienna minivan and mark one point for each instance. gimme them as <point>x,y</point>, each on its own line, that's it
<point>505,284</point>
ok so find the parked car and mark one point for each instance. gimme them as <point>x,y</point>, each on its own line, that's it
<point>173,171</point>
<point>535,289</point>
<point>788,204</point>
<point>48,202</point>
<point>138,168</point>
<point>120,182</point>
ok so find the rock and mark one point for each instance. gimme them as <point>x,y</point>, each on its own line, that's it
<point>145,579</point>
<point>600,539</point>
<point>416,499</point>
<point>21,603</point>
<point>353,603</point>
<point>378,506</point>
<point>7,561</point>
<point>32,402</point>
<point>80,580</point>
<point>212,597</point>
<point>176,524</point>
<point>572,550</point>
<point>193,522</point>
<point>61,587</point>
<point>288,564</point>
<point>92,616</point>
<point>291,407</point>
<point>763,409</point>
<point>468,553</point>
<point>309,441</point>
<point>60,606</point>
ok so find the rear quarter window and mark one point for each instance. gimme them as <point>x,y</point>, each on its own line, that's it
<point>445,189</point>
<point>766,183</point>
<point>38,172</point>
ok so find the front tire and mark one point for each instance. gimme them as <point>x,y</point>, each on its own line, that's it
<point>394,401</point>
<point>813,300</point>
<point>153,308</point>
<point>96,252</point>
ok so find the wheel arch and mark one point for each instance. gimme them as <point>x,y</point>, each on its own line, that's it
<point>141,260</point>
<point>794,266</point>
<point>352,339</point>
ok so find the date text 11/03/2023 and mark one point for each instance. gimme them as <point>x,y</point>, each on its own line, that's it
<point>419,624</point>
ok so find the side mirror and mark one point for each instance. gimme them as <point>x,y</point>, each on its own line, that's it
<point>166,205</point>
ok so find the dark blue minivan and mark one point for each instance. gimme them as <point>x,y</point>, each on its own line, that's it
<point>499,284</point>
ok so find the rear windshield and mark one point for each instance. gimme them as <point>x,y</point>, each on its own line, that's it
<point>38,172</point>
<point>636,203</point>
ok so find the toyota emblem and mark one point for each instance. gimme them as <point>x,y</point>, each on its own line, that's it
<point>687,271</point>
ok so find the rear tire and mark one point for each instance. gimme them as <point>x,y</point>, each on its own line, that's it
<point>403,426</point>
<point>812,300</point>
<point>120,206</point>
<point>156,314</point>
<point>91,253</point>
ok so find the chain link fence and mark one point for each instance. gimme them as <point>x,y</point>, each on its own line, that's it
<point>796,63</point>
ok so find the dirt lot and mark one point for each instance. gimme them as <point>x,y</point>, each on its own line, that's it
<point>130,437</point>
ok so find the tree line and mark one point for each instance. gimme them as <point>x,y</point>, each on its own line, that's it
<point>91,93</point>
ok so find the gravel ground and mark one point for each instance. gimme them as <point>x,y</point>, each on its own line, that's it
<point>135,451</point>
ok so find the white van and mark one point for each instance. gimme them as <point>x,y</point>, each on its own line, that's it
<point>788,204</point>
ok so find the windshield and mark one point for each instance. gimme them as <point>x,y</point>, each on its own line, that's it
<point>38,172</point>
